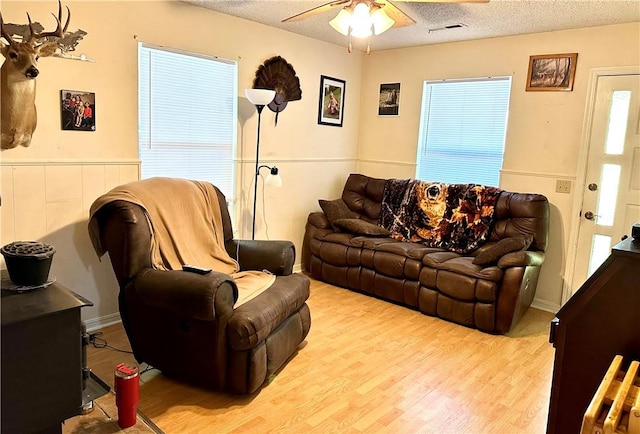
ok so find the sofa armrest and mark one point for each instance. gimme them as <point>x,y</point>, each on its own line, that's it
<point>316,221</point>
<point>319,220</point>
<point>185,294</point>
<point>521,258</point>
<point>275,256</point>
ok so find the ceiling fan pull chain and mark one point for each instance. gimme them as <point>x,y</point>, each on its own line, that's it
<point>369,45</point>
<point>350,46</point>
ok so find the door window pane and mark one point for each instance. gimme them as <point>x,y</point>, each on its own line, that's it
<point>600,250</point>
<point>609,184</point>
<point>618,116</point>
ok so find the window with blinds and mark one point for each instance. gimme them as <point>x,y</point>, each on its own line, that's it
<point>462,130</point>
<point>187,111</point>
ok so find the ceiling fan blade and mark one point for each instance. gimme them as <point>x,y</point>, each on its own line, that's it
<point>317,10</point>
<point>443,1</point>
<point>401,19</point>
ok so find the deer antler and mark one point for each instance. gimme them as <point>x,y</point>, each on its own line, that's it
<point>59,32</point>
<point>4,33</point>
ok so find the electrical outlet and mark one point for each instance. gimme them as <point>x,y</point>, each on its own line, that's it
<point>563,186</point>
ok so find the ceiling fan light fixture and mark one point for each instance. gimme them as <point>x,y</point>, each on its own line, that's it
<point>361,21</point>
<point>361,11</point>
<point>342,22</point>
<point>381,21</point>
<point>361,31</point>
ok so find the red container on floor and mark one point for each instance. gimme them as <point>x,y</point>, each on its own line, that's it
<point>127,388</point>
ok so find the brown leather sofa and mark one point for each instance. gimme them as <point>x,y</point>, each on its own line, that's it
<point>185,324</point>
<point>491,297</point>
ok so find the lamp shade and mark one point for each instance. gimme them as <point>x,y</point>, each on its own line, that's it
<point>361,31</point>
<point>381,21</point>
<point>260,96</point>
<point>361,21</point>
<point>273,180</point>
<point>342,22</point>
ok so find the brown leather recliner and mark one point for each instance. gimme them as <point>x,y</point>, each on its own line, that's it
<point>185,325</point>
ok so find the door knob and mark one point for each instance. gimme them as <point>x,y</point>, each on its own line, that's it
<point>589,215</point>
<point>593,187</point>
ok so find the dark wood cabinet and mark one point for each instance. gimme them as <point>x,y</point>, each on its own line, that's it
<point>42,358</point>
<point>600,320</point>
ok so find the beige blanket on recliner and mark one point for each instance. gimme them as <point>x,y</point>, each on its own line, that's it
<point>188,231</point>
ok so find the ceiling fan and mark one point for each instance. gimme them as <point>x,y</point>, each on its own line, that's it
<point>362,18</point>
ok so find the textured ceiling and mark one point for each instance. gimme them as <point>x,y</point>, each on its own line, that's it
<point>480,20</point>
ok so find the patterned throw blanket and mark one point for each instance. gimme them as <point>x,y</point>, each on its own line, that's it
<point>454,217</point>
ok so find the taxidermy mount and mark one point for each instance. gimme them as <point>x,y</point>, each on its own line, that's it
<point>277,74</point>
<point>22,47</point>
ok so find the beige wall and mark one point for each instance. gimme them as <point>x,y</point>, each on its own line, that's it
<point>47,188</point>
<point>544,130</point>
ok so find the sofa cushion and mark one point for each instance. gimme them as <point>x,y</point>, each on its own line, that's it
<point>434,259</point>
<point>409,250</point>
<point>494,252</point>
<point>361,227</point>
<point>343,238</point>
<point>335,210</point>
<point>371,242</point>
<point>463,266</point>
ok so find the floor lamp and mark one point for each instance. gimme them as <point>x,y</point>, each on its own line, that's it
<point>259,98</point>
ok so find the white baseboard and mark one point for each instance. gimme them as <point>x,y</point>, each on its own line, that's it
<point>103,321</point>
<point>545,305</point>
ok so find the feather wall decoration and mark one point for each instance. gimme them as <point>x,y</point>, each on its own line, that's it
<point>277,74</point>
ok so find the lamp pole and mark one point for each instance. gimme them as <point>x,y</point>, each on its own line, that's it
<point>259,98</point>
<point>256,174</point>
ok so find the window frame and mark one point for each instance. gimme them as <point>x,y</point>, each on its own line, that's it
<point>426,116</point>
<point>231,118</point>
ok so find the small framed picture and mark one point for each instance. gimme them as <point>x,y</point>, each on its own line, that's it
<point>552,72</point>
<point>78,110</point>
<point>389,99</point>
<point>331,104</point>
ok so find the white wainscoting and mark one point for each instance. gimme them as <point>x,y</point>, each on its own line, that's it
<point>553,273</point>
<point>49,201</point>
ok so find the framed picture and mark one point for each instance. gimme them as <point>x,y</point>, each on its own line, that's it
<point>78,110</point>
<point>552,72</point>
<point>389,99</point>
<point>331,108</point>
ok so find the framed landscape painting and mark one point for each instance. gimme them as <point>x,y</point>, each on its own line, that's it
<point>552,72</point>
<point>331,101</point>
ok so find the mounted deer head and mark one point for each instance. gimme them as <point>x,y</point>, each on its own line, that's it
<point>18,74</point>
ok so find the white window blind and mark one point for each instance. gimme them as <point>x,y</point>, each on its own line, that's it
<point>462,130</point>
<point>187,108</point>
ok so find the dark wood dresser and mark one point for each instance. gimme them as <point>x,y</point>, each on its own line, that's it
<point>600,320</point>
<point>42,358</point>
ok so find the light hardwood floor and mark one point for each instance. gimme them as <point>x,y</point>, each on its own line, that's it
<point>370,366</point>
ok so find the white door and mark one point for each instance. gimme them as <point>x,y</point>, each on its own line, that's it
<point>611,201</point>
